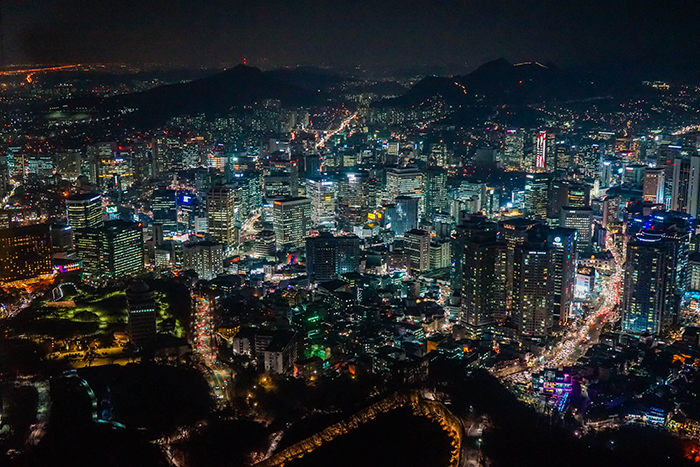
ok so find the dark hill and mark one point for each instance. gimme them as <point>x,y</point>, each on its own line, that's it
<point>238,86</point>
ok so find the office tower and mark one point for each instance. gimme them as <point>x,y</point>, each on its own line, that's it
<point>84,210</point>
<point>417,246</point>
<point>533,289</point>
<point>402,216</point>
<point>328,257</point>
<point>435,192</point>
<point>537,194</point>
<point>221,216</point>
<point>513,152</point>
<point>61,238</point>
<point>280,178</point>
<point>113,166</point>
<point>483,281</point>
<point>322,193</point>
<point>541,151</point>
<point>563,243</point>
<point>655,271</point>
<point>112,251</point>
<point>251,192</point>
<point>513,232</point>
<point>204,258</point>
<point>25,252</point>
<point>353,199</point>
<point>164,207</point>
<point>581,220</point>
<point>647,284</point>
<point>653,187</point>
<point>685,194</point>
<point>440,255</point>
<point>142,314</point>
<point>291,219</point>
<point>611,210</point>
<point>468,226</point>
<point>265,244</point>
<point>407,181</point>
<point>561,158</point>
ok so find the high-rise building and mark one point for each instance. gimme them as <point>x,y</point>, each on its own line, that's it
<point>328,256</point>
<point>513,152</point>
<point>291,219</point>
<point>417,246</point>
<point>164,208</point>
<point>280,178</point>
<point>653,187</point>
<point>537,194</point>
<point>84,210</point>
<point>655,271</point>
<point>435,191</point>
<point>221,216</point>
<point>205,258</point>
<point>407,181</point>
<point>563,243</point>
<point>581,220</point>
<point>354,199</point>
<point>112,251</point>
<point>25,252</point>
<point>513,232</point>
<point>322,193</point>
<point>533,289</point>
<point>265,244</point>
<point>440,255</point>
<point>685,194</point>
<point>142,314</point>
<point>402,216</point>
<point>483,281</point>
<point>541,151</point>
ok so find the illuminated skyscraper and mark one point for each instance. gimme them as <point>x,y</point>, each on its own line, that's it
<point>84,210</point>
<point>563,243</point>
<point>654,183</point>
<point>483,281</point>
<point>533,289</point>
<point>435,192</point>
<point>328,257</point>
<point>291,221</point>
<point>25,252</point>
<point>581,220</point>
<point>205,258</point>
<point>685,194</point>
<point>221,216</point>
<point>112,251</point>
<point>402,216</point>
<point>406,181</point>
<point>164,207</point>
<point>322,193</point>
<point>513,152</point>
<point>537,194</point>
<point>417,245</point>
<point>541,151</point>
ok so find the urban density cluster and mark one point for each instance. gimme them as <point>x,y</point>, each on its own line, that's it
<point>365,236</point>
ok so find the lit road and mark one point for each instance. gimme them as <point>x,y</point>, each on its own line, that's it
<point>582,334</point>
<point>330,134</point>
<point>204,346</point>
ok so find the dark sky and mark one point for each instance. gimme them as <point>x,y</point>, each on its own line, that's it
<point>395,33</point>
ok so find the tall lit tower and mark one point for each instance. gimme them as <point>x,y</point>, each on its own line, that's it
<point>541,154</point>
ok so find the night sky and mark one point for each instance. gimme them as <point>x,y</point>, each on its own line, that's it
<point>394,33</point>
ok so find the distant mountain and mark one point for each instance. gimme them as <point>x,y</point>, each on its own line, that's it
<point>501,83</point>
<point>235,87</point>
